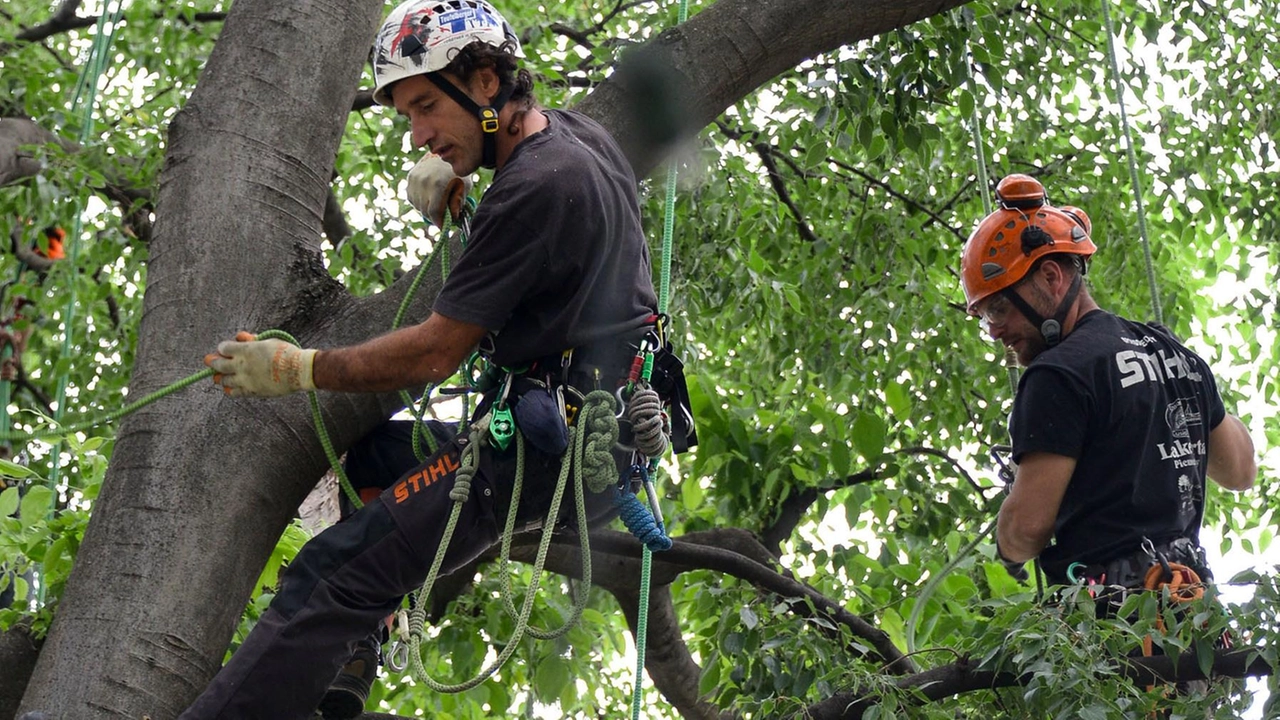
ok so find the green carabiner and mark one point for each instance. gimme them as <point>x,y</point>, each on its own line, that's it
<point>1072,569</point>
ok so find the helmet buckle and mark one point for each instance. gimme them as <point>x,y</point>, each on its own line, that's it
<point>488,120</point>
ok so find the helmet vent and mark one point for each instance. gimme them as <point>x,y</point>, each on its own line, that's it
<point>990,270</point>
<point>411,46</point>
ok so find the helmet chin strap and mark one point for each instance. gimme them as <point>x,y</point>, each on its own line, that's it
<point>488,114</point>
<point>1050,328</point>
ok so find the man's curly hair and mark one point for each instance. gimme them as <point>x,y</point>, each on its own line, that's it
<point>506,66</point>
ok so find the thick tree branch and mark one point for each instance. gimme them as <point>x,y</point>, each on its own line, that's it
<point>962,677</point>
<point>724,53</point>
<point>685,555</point>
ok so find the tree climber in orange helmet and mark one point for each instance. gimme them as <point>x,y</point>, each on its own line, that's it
<point>1115,425</point>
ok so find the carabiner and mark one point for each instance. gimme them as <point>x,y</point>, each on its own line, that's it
<point>398,658</point>
<point>1072,569</point>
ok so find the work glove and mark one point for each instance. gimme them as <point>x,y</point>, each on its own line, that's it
<point>433,188</point>
<point>1016,570</point>
<point>248,367</point>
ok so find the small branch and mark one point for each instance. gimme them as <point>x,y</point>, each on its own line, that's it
<point>583,37</point>
<point>335,222</point>
<point>894,193</point>
<point>796,506</point>
<point>921,450</point>
<point>766,152</point>
<point>66,21</point>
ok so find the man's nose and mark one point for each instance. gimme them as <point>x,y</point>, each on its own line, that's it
<point>421,133</point>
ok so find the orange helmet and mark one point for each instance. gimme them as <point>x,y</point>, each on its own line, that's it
<point>1010,240</point>
<point>56,236</point>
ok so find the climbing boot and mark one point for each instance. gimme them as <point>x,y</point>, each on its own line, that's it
<point>349,692</point>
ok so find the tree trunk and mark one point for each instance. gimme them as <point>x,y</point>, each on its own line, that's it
<point>201,486</point>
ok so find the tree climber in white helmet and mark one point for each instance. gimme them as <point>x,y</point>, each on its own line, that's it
<point>1115,425</point>
<point>554,284</point>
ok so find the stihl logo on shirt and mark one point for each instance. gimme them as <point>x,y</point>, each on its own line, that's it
<point>425,478</point>
<point>1136,366</point>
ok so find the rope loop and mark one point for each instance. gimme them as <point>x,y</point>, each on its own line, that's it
<point>469,461</point>
<point>648,422</point>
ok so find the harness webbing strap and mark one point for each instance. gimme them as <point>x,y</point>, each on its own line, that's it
<point>486,114</point>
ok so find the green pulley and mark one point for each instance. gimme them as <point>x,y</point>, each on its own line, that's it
<point>502,427</point>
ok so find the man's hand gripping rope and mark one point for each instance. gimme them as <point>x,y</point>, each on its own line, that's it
<point>248,367</point>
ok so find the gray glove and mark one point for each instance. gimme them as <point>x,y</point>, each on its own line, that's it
<point>433,189</point>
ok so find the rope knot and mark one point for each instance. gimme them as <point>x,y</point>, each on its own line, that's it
<point>640,521</point>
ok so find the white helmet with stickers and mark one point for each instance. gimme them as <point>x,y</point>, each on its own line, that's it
<point>423,36</point>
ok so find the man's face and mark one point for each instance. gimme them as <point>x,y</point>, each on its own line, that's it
<point>1002,320</point>
<point>440,123</point>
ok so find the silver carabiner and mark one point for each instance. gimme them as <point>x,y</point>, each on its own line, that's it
<point>1149,548</point>
<point>398,658</point>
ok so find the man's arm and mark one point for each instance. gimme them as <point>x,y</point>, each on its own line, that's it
<point>1025,524</point>
<point>409,357</point>
<point>1231,458</point>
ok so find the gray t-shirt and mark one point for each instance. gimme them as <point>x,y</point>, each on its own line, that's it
<point>556,258</point>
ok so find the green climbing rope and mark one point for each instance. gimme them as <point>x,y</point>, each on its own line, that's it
<point>1134,175</point>
<point>984,186</point>
<point>664,297</point>
<point>579,442</point>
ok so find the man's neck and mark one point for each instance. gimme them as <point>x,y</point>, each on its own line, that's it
<point>1083,306</point>
<point>516,127</point>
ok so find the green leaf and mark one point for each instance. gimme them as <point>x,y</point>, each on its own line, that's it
<point>965,100</point>
<point>8,501</point>
<point>36,505</point>
<point>841,458</point>
<point>1204,655</point>
<point>899,399</point>
<point>691,494</point>
<point>12,469</point>
<point>869,435</point>
<point>749,618</point>
<point>710,679</point>
<point>549,678</point>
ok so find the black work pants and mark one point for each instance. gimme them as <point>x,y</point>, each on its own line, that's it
<point>347,579</point>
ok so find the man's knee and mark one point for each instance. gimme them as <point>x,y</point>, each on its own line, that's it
<point>327,553</point>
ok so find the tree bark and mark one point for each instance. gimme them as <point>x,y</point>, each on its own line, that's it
<point>201,486</point>
<point>18,653</point>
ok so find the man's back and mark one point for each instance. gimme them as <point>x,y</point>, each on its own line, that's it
<point>1135,408</point>
<point>557,258</point>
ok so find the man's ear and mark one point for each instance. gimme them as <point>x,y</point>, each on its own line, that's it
<point>484,81</point>
<point>1054,274</point>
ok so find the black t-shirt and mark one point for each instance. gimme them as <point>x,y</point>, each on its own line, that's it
<point>1134,407</point>
<point>556,257</point>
